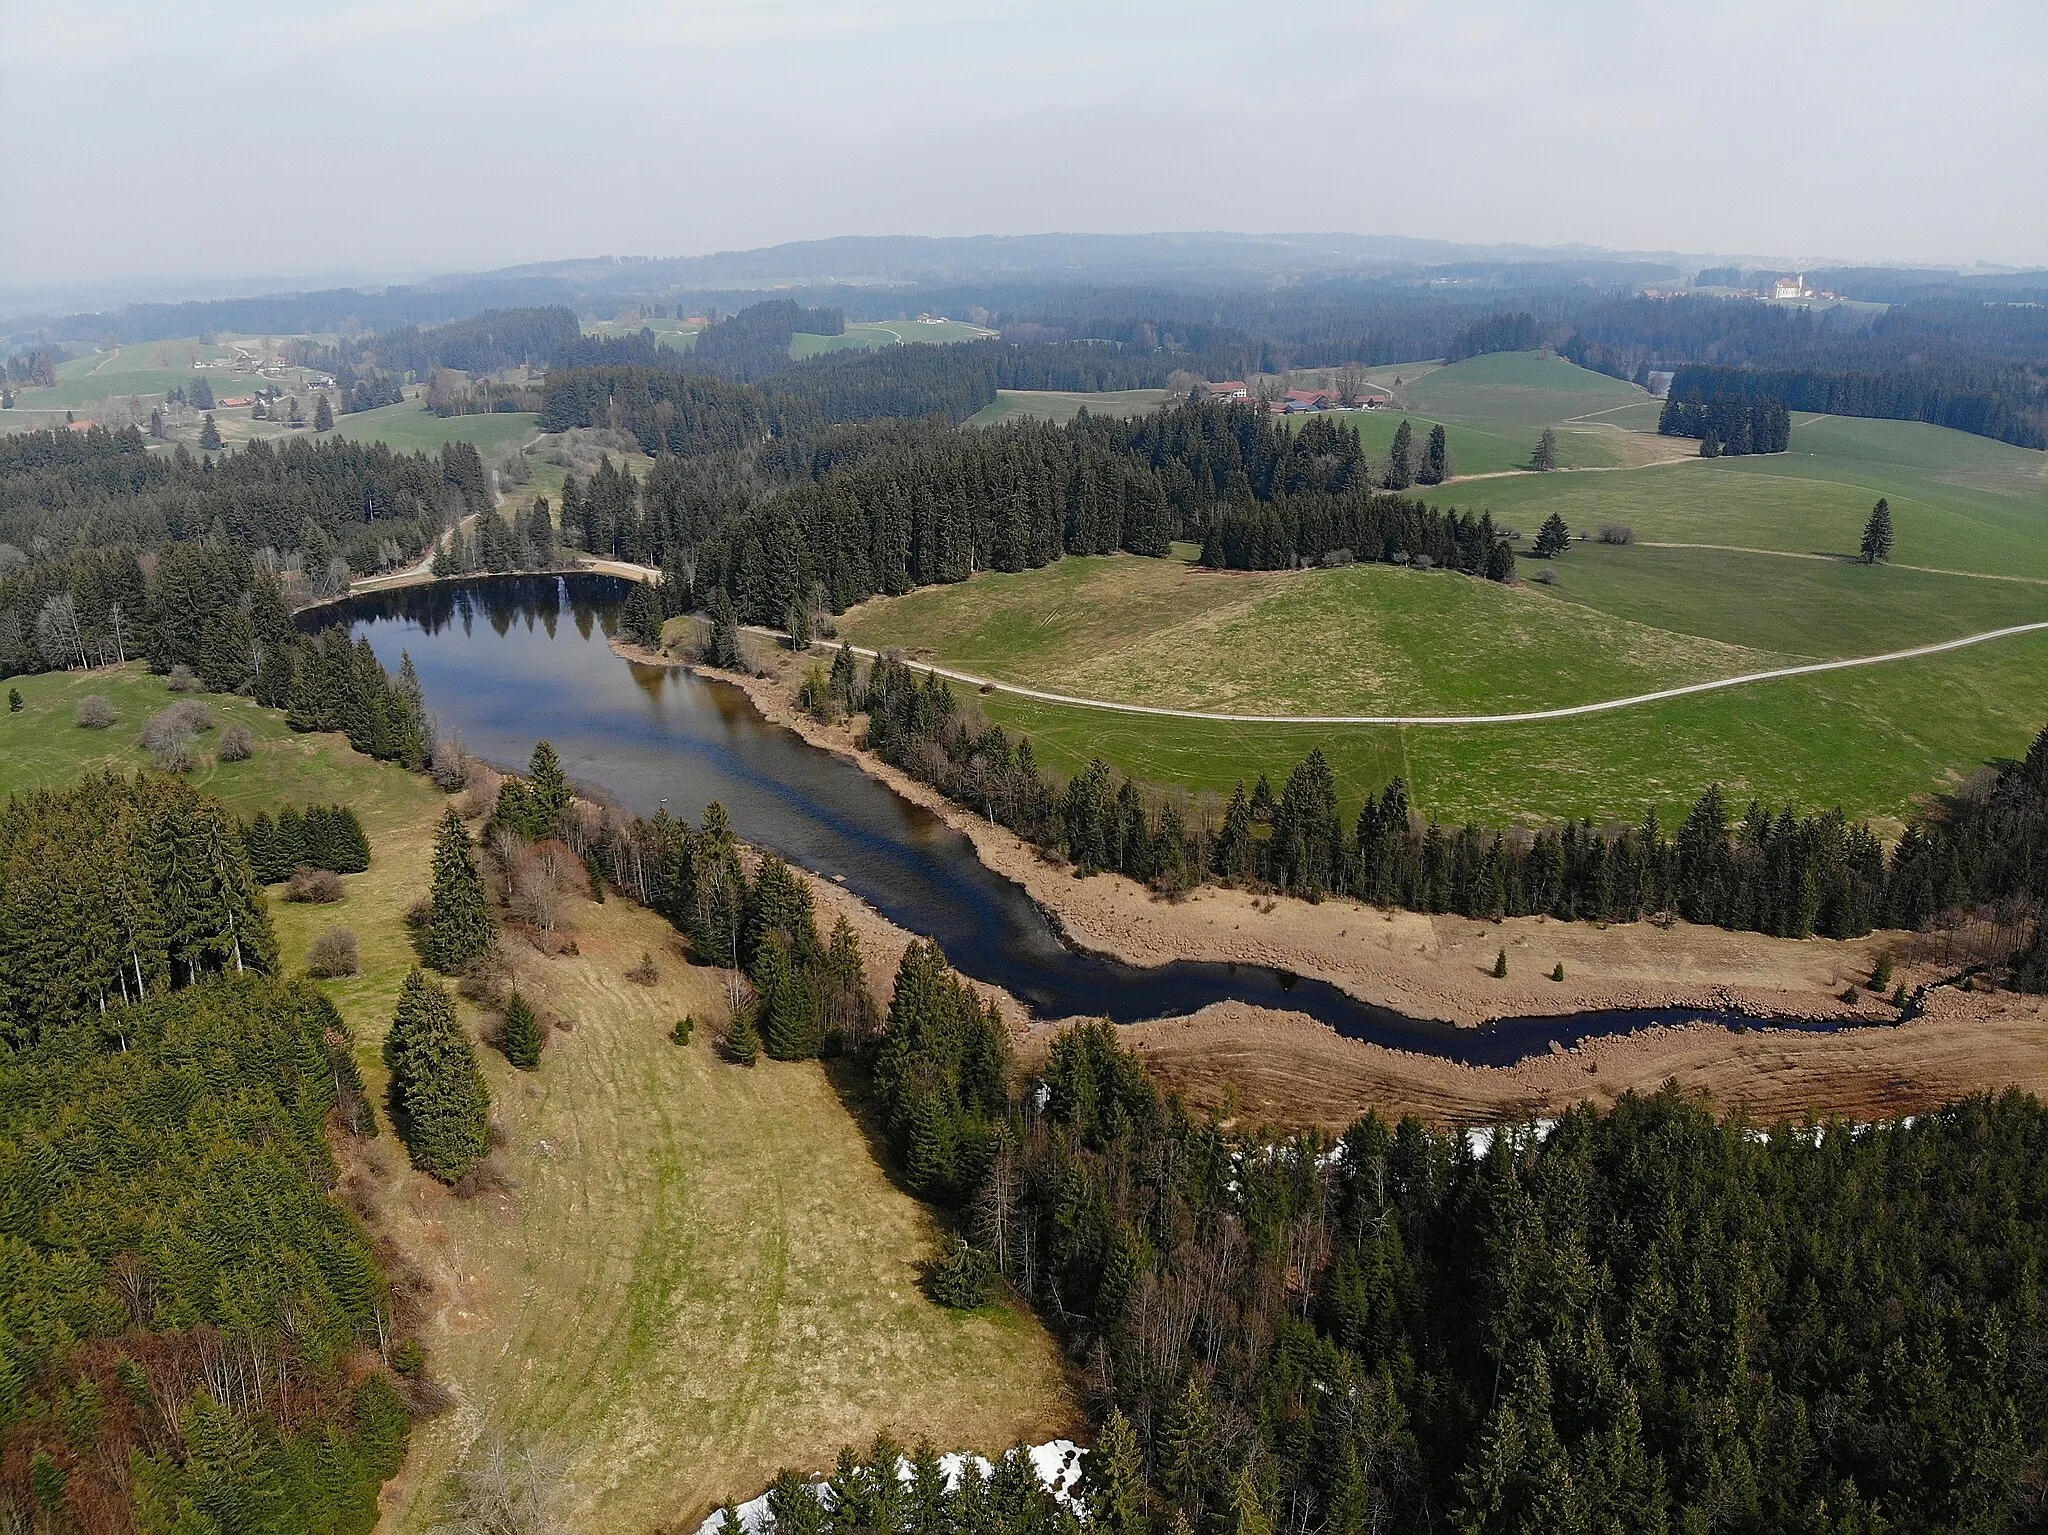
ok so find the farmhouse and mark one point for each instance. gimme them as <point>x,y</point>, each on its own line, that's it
<point>1227,389</point>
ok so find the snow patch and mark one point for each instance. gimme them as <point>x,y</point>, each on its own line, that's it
<point>1057,1464</point>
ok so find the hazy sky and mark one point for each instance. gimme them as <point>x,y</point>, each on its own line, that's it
<point>224,139</point>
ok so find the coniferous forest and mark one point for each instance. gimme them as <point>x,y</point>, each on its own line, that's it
<point>1643,1320</point>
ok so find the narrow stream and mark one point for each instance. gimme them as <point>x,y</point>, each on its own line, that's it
<point>508,660</point>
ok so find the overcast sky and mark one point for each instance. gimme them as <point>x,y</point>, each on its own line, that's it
<point>229,139</point>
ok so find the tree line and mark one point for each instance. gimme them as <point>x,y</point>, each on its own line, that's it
<point>1732,424</point>
<point>1768,870</point>
<point>235,540</point>
<point>1978,398</point>
<point>1964,364</point>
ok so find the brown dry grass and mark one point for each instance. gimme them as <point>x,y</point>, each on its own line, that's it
<point>695,1274</point>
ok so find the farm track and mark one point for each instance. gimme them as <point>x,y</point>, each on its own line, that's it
<point>1526,717</point>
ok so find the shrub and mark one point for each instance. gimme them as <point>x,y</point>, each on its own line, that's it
<point>172,756</point>
<point>180,722</point>
<point>95,712</point>
<point>1558,973</point>
<point>334,955</point>
<point>646,973</point>
<point>685,1027</point>
<point>237,744</point>
<point>963,1278</point>
<point>1617,533</point>
<point>181,679</point>
<point>315,887</point>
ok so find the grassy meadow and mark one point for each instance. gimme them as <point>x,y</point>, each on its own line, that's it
<point>866,335</point>
<point>1062,405</point>
<point>410,427</point>
<point>1776,587</point>
<point>695,1274</point>
<point>1364,639</point>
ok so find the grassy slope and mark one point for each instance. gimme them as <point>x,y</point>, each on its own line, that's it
<point>703,1273</point>
<point>866,335</point>
<point>1361,640</point>
<point>1871,740</point>
<point>1958,502</point>
<point>1058,405</point>
<point>411,426</point>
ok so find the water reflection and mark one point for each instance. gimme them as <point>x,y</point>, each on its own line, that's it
<point>646,737</point>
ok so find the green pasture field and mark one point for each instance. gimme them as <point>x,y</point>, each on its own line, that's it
<point>1623,620</point>
<point>1516,392</point>
<point>410,427</point>
<point>866,335</point>
<point>1805,608</point>
<point>1958,502</point>
<point>1062,405</point>
<point>680,335</point>
<point>1875,741</point>
<point>1364,639</point>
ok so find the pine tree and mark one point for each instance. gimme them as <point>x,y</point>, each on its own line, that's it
<point>323,415</point>
<point>209,434</point>
<point>522,1034</point>
<point>1877,533</point>
<point>1553,538</point>
<point>1544,459</point>
<point>459,928</point>
<point>438,1097</point>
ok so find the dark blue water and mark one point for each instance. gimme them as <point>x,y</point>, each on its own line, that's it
<point>507,661</point>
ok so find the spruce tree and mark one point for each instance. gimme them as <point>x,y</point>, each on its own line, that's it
<point>743,1037</point>
<point>1401,458</point>
<point>1553,538</point>
<point>1877,533</point>
<point>522,1034</point>
<point>323,415</point>
<point>1115,1481</point>
<point>209,434</point>
<point>1544,459</point>
<point>459,928</point>
<point>1500,965</point>
<point>548,792</point>
<point>1436,458</point>
<point>438,1097</point>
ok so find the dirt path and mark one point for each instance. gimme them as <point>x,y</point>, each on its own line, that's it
<point>1848,559</point>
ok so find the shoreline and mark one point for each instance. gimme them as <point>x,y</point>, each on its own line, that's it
<point>1239,1060</point>
<point>1424,966</point>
